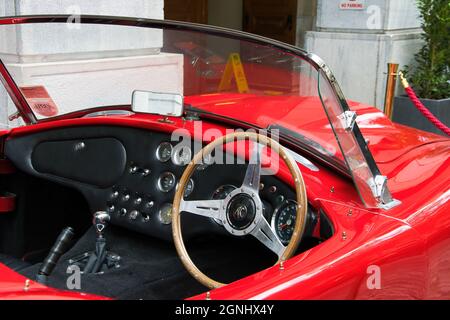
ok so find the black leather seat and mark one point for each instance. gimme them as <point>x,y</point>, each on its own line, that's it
<point>13,263</point>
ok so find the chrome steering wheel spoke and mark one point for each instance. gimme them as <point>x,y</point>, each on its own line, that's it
<point>253,174</point>
<point>264,233</point>
<point>205,208</point>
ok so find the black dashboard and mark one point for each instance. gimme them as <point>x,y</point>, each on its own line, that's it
<point>133,174</point>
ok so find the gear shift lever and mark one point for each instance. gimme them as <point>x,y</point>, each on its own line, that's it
<point>100,221</point>
<point>100,259</point>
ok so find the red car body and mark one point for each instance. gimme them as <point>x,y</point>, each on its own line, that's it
<point>409,244</point>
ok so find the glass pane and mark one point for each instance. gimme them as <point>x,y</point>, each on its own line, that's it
<point>7,110</point>
<point>362,175</point>
<point>62,68</point>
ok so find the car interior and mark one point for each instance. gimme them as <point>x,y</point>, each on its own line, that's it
<point>64,177</point>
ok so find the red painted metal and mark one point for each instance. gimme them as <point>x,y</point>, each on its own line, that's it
<point>7,202</point>
<point>14,286</point>
<point>409,244</point>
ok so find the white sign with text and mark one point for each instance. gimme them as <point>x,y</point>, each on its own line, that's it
<point>352,5</point>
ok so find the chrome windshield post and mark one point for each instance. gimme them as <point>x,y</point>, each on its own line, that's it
<point>369,182</point>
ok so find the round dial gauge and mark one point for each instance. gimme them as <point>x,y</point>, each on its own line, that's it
<point>165,214</point>
<point>181,155</point>
<point>189,188</point>
<point>206,162</point>
<point>166,182</point>
<point>283,221</point>
<point>221,193</point>
<point>164,152</point>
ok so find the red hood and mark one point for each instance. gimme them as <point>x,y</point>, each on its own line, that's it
<point>387,141</point>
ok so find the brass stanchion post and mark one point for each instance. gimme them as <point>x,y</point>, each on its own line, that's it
<point>390,89</point>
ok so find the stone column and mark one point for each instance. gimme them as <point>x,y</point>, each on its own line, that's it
<point>357,38</point>
<point>72,64</point>
<point>306,19</point>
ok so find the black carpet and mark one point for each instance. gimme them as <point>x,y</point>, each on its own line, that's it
<point>151,269</point>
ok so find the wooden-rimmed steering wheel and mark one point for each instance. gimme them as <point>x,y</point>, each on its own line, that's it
<point>241,212</point>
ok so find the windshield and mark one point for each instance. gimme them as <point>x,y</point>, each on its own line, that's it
<point>63,68</point>
<point>57,68</point>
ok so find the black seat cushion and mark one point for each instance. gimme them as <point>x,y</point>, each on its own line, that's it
<point>13,263</point>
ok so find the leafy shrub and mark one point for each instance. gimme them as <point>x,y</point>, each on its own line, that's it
<point>430,78</point>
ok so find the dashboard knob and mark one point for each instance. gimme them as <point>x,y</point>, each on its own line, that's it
<point>134,214</point>
<point>123,211</point>
<point>114,195</point>
<point>138,201</point>
<point>146,172</point>
<point>111,208</point>
<point>134,169</point>
<point>148,207</point>
<point>126,197</point>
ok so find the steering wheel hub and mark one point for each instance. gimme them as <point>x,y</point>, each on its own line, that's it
<point>241,211</point>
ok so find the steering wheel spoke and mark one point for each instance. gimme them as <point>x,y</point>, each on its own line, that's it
<point>267,236</point>
<point>253,173</point>
<point>205,208</point>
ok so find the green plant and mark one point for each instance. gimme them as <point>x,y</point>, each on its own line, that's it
<point>430,77</point>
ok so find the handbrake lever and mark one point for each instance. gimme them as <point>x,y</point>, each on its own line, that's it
<point>61,245</point>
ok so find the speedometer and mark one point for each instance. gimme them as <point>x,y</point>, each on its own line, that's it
<point>283,220</point>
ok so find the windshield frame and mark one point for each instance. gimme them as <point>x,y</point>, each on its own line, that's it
<point>378,185</point>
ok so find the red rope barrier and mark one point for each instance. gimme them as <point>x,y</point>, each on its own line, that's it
<point>419,105</point>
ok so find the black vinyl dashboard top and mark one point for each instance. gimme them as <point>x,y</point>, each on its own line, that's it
<point>117,169</point>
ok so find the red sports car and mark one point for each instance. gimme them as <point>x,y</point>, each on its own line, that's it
<point>150,159</point>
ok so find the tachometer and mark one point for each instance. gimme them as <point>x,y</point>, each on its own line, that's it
<point>283,220</point>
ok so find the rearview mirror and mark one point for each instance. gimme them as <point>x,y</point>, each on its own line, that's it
<point>166,104</point>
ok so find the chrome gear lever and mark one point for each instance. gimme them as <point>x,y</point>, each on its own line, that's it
<point>99,260</point>
<point>100,221</point>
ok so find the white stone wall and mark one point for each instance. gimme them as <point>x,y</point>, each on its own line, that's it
<point>358,44</point>
<point>306,19</point>
<point>79,63</point>
<point>102,82</point>
<point>394,15</point>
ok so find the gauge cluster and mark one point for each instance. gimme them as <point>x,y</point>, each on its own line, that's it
<point>170,161</point>
<point>142,200</point>
<point>137,188</point>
